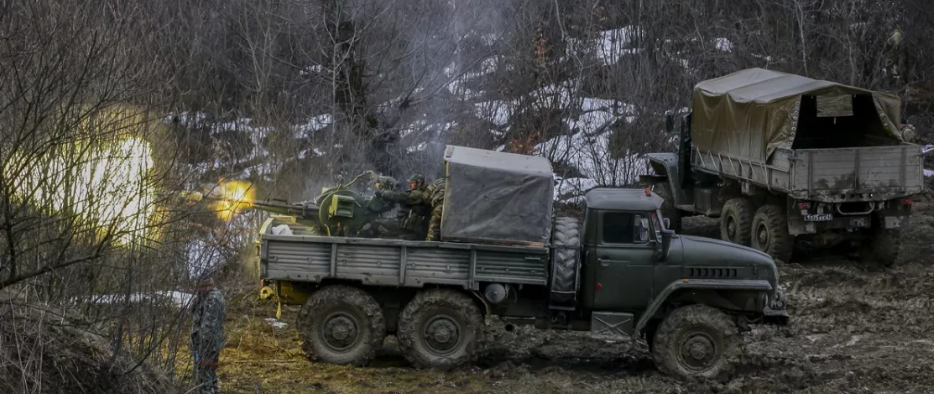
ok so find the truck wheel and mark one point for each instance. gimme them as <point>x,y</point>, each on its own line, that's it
<point>663,189</point>
<point>770,233</point>
<point>566,235</point>
<point>440,328</point>
<point>882,248</point>
<point>736,221</point>
<point>696,341</point>
<point>342,325</point>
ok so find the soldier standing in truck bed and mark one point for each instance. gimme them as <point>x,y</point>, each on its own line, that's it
<point>436,197</point>
<point>207,334</point>
<point>414,207</point>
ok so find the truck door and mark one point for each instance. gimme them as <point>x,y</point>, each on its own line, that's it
<point>623,261</point>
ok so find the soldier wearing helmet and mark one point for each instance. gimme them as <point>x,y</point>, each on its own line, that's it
<point>415,207</point>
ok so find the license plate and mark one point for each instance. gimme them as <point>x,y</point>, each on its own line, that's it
<point>818,218</point>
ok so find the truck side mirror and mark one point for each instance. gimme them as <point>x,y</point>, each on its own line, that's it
<point>669,123</point>
<point>666,244</point>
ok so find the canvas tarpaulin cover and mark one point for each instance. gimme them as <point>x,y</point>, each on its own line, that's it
<point>496,197</point>
<point>750,113</point>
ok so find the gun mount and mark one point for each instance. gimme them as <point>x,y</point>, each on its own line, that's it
<point>337,211</point>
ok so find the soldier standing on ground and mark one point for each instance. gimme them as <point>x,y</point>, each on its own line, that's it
<point>207,334</point>
<point>893,57</point>
<point>436,197</point>
<point>414,206</point>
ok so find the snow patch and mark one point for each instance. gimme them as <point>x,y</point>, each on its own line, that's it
<point>608,46</point>
<point>312,69</point>
<point>177,298</point>
<point>495,111</point>
<point>572,189</point>
<point>314,123</point>
<point>592,157</point>
<point>276,323</point>
<point>421,146</point>
<point>616,43</point>
<point>723,44</point>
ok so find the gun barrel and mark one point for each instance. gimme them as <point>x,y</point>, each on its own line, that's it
<point>297,210</point>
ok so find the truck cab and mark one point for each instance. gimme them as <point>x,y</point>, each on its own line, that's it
<point>636,274</point>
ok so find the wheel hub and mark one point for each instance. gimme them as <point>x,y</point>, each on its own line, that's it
<point>762,237</point>
<point>340,331</point>
<point>698,352</point>
<point>442,334</point>
<point>730,227</point>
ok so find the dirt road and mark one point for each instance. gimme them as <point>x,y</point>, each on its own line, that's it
<point>854,329</point>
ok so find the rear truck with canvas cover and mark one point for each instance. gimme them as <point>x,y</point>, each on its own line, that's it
<point>622,275</point>
<point>786,161</point>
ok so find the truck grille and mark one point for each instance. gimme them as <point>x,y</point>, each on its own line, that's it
<point>708,272</point>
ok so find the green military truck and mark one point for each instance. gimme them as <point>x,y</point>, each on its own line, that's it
<point>622,275</point>
<point>785,160</point>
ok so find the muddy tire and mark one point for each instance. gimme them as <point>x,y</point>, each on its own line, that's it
<point>882,248</point>
<point>770,233</point>
<point>696,341</point>
<point>663,189</point>
<point>736,221</point>
<point>566,240</point>
<point>441,329</point>
<point>342,325</point>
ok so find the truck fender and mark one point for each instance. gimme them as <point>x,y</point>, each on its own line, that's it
<point>664,164</point>
<point>666,168</point>
<point>713,284</point>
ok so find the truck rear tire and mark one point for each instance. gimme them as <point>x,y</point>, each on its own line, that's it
<point>770,233</point>
<point>882,248</point>
<point>342,325</point>
<point>663,190</point>
<point>566,241</point>
<point>696,341</point>
<point>736,221</point>
<point>440,328</point>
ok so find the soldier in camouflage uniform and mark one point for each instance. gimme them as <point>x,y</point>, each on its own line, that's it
<point>893,57</point>
<point>414,207</point>
<point>207,335</point>
<point>436,197</point>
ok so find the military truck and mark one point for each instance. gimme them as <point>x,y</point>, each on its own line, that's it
<point>783,160</point>
<point>622,275</point>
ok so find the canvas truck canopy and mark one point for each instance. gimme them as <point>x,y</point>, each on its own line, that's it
<point>497,197</point>
<point>750,113</point>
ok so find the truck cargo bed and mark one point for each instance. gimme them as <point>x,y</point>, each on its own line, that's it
<point>399,263</point>
<point>829,175</point>
<point>883,172</point>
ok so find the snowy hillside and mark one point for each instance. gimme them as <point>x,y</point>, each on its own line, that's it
<point>579,142</point>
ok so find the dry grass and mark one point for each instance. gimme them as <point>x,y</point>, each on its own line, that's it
<point>260,358</point>
<point>44,352</point>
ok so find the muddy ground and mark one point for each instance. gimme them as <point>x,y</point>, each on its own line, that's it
<point>854,329</point>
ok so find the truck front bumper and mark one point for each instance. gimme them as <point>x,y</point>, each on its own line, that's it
<point>776,312</point>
